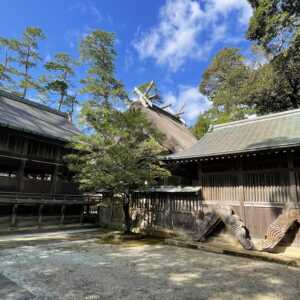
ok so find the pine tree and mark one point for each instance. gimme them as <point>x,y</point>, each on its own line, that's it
<point>8,48</point>
<point>97,51</point>
<point>121,150</point>
<point>28,57</point>
<point>58,81</point>
<point>121,153</point>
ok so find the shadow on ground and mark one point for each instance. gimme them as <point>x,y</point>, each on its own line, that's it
<point>87,268</point>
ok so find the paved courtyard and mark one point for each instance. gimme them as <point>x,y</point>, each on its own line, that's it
<point>79,267</point>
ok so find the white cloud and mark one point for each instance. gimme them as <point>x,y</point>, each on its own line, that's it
<point>190,100</point>
<point>74,36</point>
<point>87,7</point>
<point>47,57</point>
<point>187,29</point>
<point>224,7</point>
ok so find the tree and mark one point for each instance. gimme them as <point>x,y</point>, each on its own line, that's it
<point>28,57</point>
<point>275,86</point>
<point>121,153</point>
<point>70,103</point>
<point>274,24</point>
<point>59,79</point>
<point>208,118</point>
<point>97,51</point>
<point>223,83</point>
<point>7,71</point>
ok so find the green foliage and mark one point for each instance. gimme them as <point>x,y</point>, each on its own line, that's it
<point>224,83</point>
<point>120,154</point>
<point>274,24</point>
<point>237,88</point>
<point>7,70</point>
<point>58,80</point>
<point>97,51</point>
<point>28,57</point>
<point>210,117</point>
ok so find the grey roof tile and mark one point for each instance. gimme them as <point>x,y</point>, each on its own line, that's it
<point>21,114</point>
<point>267,132</point>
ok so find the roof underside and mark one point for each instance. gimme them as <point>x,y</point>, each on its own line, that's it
<point>267,132</point>
<point>177,136</point>
<point>31,117</point>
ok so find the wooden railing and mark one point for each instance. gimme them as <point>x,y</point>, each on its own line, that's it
<point>12,197</point>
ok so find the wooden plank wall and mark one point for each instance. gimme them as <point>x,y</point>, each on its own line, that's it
<point>168,210</point>
<point>259,201</point>
<point>257,187</point>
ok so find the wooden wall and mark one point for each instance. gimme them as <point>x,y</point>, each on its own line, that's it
<point>32,164</point>
<point>166,210</point>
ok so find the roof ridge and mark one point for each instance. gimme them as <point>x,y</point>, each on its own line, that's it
<point>164,111</point>
<point>260,118</point>
<point>169,114</point>
<point>12,96</point>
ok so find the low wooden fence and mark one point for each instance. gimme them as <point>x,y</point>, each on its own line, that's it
<point>19,210</point>
<point>171,210</point>
<point>185,211</point>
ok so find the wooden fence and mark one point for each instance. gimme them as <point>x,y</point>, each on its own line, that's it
<point>20,210</point>
<point>166,210</point>
<point>258,197</point>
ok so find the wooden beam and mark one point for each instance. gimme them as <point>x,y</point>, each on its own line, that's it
<point>40,216</point>
<point>62,215</point>
<point>82,214</point>
<point>241,189</point>
<point>292,178</point>
<point>54,179</point>
<point>20,175</point>
<point>18,157</point>
<point>14,215</point>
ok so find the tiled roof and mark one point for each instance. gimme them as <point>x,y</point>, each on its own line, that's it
<point>267,132</point>
<point>28,116</point>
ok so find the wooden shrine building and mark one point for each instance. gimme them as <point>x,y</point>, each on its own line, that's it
<point>251,165</point>
<point>34,179</point>
<point>33,141</point>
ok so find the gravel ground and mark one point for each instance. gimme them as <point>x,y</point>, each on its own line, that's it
<point>87,269</point>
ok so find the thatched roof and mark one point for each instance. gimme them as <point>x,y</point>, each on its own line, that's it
<point>28,116</point>
<point>177,136</point>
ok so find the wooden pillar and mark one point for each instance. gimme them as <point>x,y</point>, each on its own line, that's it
<point>20,176</point>
<point>241,190</point>
<point>62,216</point>
<point>200,183</point>
<point>14,215</point>
<point>54,179</point>
<point>40,217</point>
<point>292,179</point>
<point>84,208</point>
<point>200,173</point>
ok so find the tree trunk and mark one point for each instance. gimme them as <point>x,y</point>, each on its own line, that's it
<point>26,73</point>
<point>126,210</point>
<point>61,101</point>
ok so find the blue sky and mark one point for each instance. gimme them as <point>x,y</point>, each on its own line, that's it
<point>169,41</point>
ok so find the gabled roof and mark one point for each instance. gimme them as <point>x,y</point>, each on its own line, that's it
<point>177,136</point>
<point>28,116</point>
<point>271,131</point>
